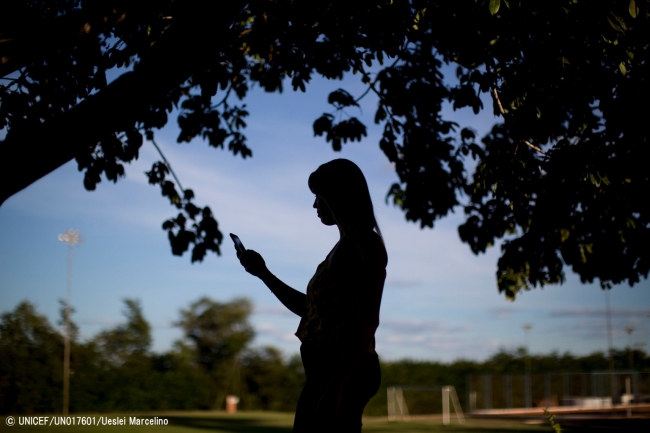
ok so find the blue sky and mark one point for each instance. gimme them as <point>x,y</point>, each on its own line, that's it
<point>440,301</point>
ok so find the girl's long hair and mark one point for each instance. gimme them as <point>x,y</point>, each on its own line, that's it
<point>342,185</point>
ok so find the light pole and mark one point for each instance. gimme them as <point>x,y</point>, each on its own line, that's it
<point>527,327</point>
<point>630,330</point>
<point>612,378</point>
<point>71,238</point>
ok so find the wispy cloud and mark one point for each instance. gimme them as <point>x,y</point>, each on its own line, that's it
<point>412,327</point>
<point>109,323</point>
<point>402,283</point>
<point>504,312</point>
<point>595,329</point>
<point>276,332</point>
<point>274,311</point>
<point>100,322</point>
<point>601,312</point>
<point>501,313</point>
<point>440,346</point>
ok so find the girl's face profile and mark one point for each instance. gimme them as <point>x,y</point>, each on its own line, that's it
<point>324,212</point>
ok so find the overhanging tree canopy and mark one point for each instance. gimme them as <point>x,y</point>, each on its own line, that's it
<point>562,177</point>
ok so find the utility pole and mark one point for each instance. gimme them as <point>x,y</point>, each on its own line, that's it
<point>71,238</point>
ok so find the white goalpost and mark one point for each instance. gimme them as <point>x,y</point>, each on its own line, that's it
<point>397,404</point>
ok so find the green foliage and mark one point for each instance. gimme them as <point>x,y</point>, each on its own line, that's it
<point>218,331</point>
<point>130,378</point>
<point>270,382</point>
<point>559,179</point>
<point>494,6</point>
<point>134,379</point>
<point>31,357</point>
<point>74,329</point>
<point>129,341</point>
<point>551,419</point>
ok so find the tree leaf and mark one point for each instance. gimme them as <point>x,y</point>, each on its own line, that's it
<point>341,98</point>
<point>615,26</point>
<point>632,8</point>
<point>323,124</point>
<point>380,114</point>
<point>564,234</point>
<point>494,6</point>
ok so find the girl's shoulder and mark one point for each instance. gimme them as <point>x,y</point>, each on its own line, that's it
<point>369,250</point>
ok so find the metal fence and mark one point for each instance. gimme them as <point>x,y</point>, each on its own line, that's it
<point>594,389</point>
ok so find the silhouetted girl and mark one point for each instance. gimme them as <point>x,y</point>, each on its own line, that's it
<point>340,312</point>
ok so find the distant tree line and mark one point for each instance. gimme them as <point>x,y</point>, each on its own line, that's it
<point>117,371</point>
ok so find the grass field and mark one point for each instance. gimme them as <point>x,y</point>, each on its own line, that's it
<point>268,422</point>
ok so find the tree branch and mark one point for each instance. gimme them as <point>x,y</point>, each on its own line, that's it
<point>503,113</point>
<point>167,164</point>
<point>532,146</point>
<point>496,98</point>
<point>196,33</point>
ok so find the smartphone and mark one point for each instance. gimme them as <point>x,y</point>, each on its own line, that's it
<point>238,245</point>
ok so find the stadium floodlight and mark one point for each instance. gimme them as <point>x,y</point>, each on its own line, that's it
<point>71,238</point>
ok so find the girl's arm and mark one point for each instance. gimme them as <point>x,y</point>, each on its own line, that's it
<point>291,298</point>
